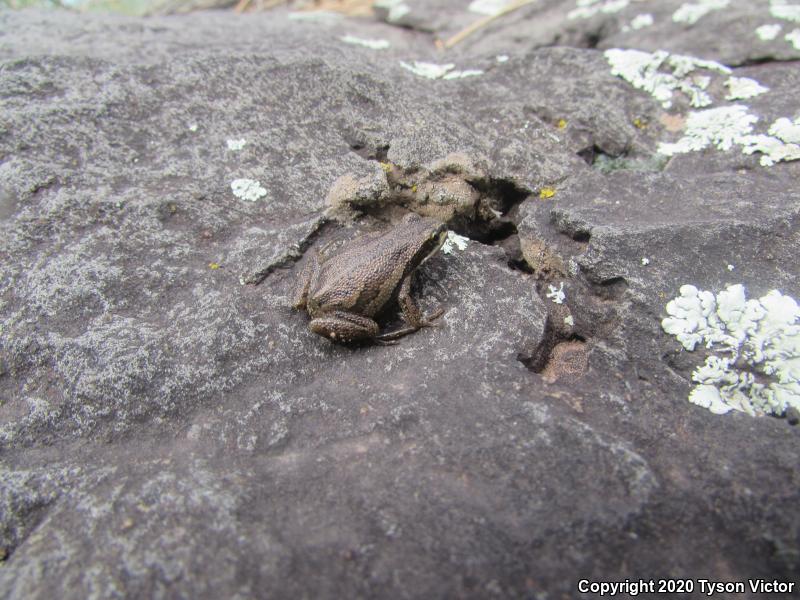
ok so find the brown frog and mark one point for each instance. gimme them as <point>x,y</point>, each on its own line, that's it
<point>343,291</point>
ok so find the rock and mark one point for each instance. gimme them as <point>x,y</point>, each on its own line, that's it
<point>170,428</point>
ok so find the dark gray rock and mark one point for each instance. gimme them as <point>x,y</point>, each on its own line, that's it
<point>170,428</point>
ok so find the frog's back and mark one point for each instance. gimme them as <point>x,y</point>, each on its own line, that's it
<point>362,277</point>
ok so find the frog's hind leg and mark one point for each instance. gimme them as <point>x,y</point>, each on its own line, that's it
<point>341,326</point>
<point>307,275</point>
<point>411,314</point>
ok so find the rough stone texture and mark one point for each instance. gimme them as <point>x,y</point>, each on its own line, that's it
<point>168,431</point>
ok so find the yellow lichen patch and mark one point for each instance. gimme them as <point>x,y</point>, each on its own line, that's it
<point>386,166</point>
<point>640,123</point>
<point>214,266</point>
<point>546,193</point>
<point>414,189</point>
<point>562,124</point>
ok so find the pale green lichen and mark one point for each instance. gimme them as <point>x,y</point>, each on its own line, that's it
<point>742,88</point>
<point>397,9</point>
<point>781,10</point>
<point>454,241</point>
<point>768,32</point>
<point>247,189</point>
<point>639,22</point>
<point>782,143</point>
<point>756,368</point>
<point>556,294</point>
<point>692,13</point>
<point>437,71</point>
<point>720,127</point>
<point>660,74</point>
<point>585,9</point>
<point>366,43</point>
<point>236,145</point>
<point>488,7</point>
<point>727,126</point>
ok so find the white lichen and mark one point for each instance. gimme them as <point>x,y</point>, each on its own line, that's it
<point>247,189</point>
<point>787,12</point>
<point>454,241</point>
<point>193,127</point>
<point>488,7</point>
<point>236,144</point>
<point>781,145</point>
<point>556,294</point>
<point>692,13</point>
<point>367,43</point>
<point>462,74</point>
<point>501,58</point>
<point>768,32</point>
<point>640,22</point>
<point>720,127</point>
<point>397,9</point>
<point>645,261</point>
<point>436,71</point>
<point>742,88</point>
<point>793,37</point>
<point>756,368</point>
<point>426,69</point>
<point>661,74</point>
<point>585,9</point>
<point>786,130</point>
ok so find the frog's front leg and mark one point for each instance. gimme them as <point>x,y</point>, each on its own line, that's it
<point>307,275</point>
<point>411,313</point>
<point>341,326</point>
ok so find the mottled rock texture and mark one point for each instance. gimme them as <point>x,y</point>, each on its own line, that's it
<point>169,428</point>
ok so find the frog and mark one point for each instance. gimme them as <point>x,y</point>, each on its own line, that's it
<point>344,290</point>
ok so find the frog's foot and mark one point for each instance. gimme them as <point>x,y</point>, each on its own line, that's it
<point>344,327</point>
<point>421,322</point>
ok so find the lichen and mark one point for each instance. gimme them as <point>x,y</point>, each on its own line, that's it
<point>247,189</point>
<point>426,69</point>
<point>556,294</point>
<point>639,22</point>
<point>397,9</point>
<point>756,365</point>
<point>782,143</point>
<point>692,13</point>
<point>768,32</point>
<point>742,88</point>
<point>787,12</point>
<point>454,241</point>
<point>661,74</point>
<point>462,74</point>
<point>720,127</point>
<point>585,9</point>
<point>488,7</point>
<point>236,144</point>
<point>727,126</point>
<point>436,71</point>
<point>367,43</point>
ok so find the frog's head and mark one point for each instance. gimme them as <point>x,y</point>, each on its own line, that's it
<point>426,235</point>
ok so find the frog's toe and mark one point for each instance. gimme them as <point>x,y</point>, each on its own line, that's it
<point>428,321</point>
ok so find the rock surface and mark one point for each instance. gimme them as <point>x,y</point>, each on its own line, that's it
<point>170,428</point>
